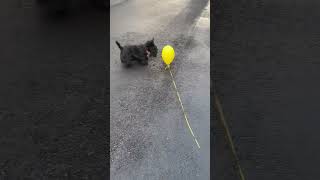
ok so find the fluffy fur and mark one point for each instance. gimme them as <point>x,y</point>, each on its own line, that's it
<point>137,53</point>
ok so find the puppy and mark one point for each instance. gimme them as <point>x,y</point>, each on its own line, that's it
<point>137,53</point>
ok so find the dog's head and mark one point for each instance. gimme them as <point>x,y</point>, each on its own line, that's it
<point>152,48</point>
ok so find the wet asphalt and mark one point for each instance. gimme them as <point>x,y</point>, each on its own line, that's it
<point>266,73</point>
<point>149,137</point>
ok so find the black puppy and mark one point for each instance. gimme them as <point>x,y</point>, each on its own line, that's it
<point>139,53</point>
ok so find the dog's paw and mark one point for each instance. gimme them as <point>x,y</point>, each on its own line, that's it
<point>127,66</point>
<point>144,63</point>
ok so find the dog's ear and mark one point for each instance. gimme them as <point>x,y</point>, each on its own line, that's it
<point>150,42</point>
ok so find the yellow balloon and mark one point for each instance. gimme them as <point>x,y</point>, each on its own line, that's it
<point>167,54</point>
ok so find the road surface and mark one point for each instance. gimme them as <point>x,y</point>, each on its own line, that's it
<point>266,62</point>
<point>52,73</point>
<point>149,137</point>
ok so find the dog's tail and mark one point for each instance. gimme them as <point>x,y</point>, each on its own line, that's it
<point>120,47</point>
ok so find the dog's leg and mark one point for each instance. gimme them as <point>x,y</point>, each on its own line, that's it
<point>141,59</point>
<point>144,62</point>
<point>126,62</point>
<point>127,65</point>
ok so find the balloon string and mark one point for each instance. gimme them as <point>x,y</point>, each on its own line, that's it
<point>183,110</point>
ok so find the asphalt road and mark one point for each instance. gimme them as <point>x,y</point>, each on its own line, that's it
<point>149,138</point>
<point>52,73</point>
<point>266,72</point>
